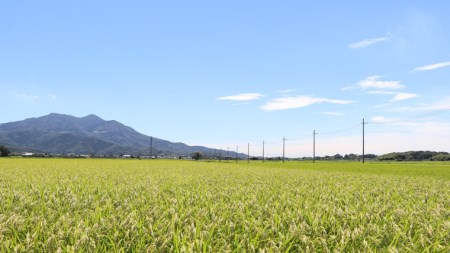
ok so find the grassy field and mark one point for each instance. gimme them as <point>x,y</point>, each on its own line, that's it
<point>52,205</point>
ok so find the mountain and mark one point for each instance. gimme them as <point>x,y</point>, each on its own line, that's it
<point>61,134</point>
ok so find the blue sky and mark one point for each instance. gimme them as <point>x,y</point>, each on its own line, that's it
<point>226,73</point>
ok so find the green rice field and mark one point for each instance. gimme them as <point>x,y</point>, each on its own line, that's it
<point>95,205</point>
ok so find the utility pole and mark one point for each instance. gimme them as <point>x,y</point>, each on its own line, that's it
<point>284,141</point>
<point>228,154</point>
<point>220,155</point>
<point>151,147</point>
<point>263,152</point>
<point>237,150</point>
<point>248,153</point>
<point>363,124</point>
<point>314,146</point>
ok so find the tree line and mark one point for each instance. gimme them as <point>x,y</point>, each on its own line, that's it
<point>415,156</point>
<point>4,151</point>
<point>395,156</point>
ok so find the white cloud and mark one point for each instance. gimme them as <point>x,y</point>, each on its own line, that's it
<point>433,139</point>
<point>348,88</point>
<point>373,82</point>
<point>442,105</point>
<point>378,119</point>
<point>242,97</point>
<point>367,42</point>
<point>398,96</point>
<point>432,66</point>
<point>411,126</point>
<point>285,91</point>
<point>26,97</point>
<point>285,103</point>
<point>391,121</point>
<point>333,113</point>
<point>52,96</point>
<point>403,125</point>
<point>381,140</point>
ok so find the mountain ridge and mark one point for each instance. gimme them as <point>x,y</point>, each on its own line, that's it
<point>61,134</point>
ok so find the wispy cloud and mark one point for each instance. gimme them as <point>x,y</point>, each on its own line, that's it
<point>242,97</point>
<point>333,113</point>
<point>52,96</point>
<point>378,119</point>
<point>426,136</point>
<point>26,97</point>
<point>436,107</point>
<point>367,42</point>
<point>443,105</point>
<point>432,66</point>
<point>285,103</point>
<point>285,91</point>
<point>413,125</point>
<point>403,96</point>
<point>374,82</point>
<point>398,96</point>
<point>348,88</point>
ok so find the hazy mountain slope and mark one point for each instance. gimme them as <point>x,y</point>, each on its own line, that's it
<point>59,133</point>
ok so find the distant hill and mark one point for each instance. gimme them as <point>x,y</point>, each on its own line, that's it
<point>62,134</point>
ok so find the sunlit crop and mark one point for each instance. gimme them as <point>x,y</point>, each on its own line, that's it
<point>52,205</point>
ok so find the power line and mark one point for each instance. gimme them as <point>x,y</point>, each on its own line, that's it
<point>297,140</point>
<point>435,112</point>
<point>417,119</point>
<point>341,130</point>
<point>248,153</point>
<point>151,147</point>
<point>391,122</point>
<point>263,151</point>
<point>273,142</point>
<point>363,124</point>
<point>314,146</point>
<point>284,140</point>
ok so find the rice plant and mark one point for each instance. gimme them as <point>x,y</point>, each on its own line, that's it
<point>56,205</point>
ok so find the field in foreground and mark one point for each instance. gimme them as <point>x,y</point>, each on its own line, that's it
<point>49,205</point>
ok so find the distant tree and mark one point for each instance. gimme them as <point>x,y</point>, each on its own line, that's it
<point>388,157</point>
<point>337,157</point>
<point>370,156</point>
<point>351,157</point>
<point>413,156</point>
<point>197,155</point>
<point>441,157</point>
<point>4,151</point>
